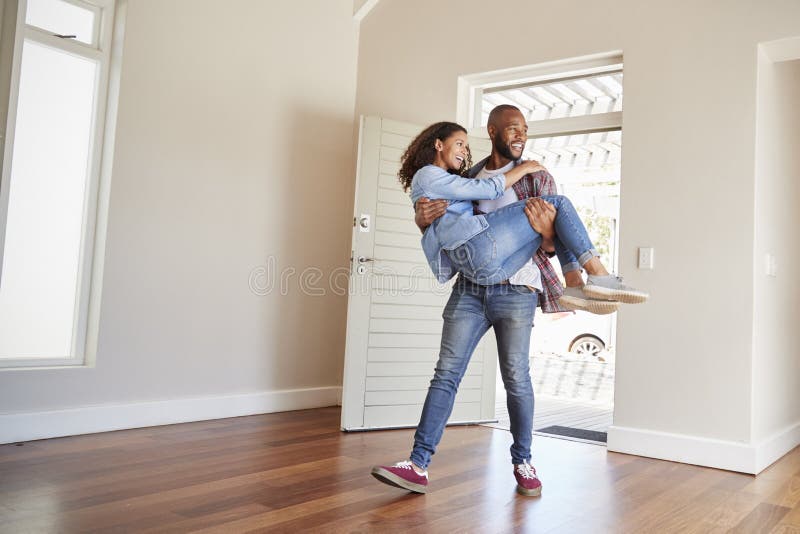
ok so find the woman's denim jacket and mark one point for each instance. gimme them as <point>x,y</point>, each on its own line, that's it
<point>458,224</point>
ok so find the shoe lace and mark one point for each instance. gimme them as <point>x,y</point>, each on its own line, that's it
<point>526,470</point>
<point>406,464</point>
<point>616,277</point>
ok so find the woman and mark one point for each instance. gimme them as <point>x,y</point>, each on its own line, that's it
<point>489,248</point>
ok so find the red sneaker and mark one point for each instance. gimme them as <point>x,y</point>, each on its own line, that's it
<point>402,475</point>
<point>527,481</point>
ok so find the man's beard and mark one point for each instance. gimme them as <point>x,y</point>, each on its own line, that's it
<point>504,150</point>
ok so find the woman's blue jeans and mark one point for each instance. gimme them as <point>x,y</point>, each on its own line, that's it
<point>469,313</point>
<point>509,242</point>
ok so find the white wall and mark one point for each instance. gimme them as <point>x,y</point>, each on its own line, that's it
<point>234,144</point>
<point>776,356</point>
<point>684,359</point>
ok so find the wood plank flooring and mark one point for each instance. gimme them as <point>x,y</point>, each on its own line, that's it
<point>295,471</point>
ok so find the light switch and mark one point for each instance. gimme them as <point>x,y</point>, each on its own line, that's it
<point>771,265</point>
<point>646,260</point>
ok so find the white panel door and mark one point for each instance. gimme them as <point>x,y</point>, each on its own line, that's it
<point>394,315</point>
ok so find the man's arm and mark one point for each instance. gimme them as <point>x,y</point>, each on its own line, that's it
<point>433,181</point>
<point>427,211</point>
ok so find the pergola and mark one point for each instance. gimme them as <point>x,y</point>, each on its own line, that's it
<point>574,121</point>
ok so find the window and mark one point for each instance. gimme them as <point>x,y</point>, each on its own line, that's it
<point>55,71</point>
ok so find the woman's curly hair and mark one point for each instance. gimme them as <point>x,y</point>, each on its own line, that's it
<point>422,152</point>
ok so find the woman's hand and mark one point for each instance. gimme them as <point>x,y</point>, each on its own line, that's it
<point>532,165</point>
<point>427,211</point>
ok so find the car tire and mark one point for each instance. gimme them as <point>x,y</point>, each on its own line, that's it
<point>587,344</point>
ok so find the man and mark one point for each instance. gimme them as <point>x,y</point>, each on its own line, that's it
<point>508,307</point>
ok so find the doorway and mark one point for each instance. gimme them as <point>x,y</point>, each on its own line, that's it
<point>573,354</point>
<point>574,115</point>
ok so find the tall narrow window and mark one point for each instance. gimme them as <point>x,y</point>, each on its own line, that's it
<point>51,164</point>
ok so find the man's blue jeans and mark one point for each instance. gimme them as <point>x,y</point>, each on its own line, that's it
<point>469,313</point>
<point>502,249</point>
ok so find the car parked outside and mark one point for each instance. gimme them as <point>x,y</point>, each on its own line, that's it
<point>578,333</point>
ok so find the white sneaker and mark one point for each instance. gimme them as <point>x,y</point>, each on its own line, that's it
<point>574,299</point>
<point>610,287</point>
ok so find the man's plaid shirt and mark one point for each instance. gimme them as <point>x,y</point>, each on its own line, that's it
<point>535,185</point>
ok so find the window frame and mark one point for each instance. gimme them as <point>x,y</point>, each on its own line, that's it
<point>95,6</point>
<point>106,36</point>
<point>472,87</point>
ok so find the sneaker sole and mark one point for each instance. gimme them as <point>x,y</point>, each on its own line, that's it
<point>628,297</point>
<point>387,477</point>
<point>597,307</point>
<point>529,492</point>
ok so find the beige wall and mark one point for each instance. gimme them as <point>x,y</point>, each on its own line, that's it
<point>234,144</point>
<point>776,356</point>
<point>684,359</point>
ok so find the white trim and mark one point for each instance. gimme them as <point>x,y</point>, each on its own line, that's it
<point>89,5</point>
<point>28,363</point>
<point>361,12</point>
<point>697,450</point>
<point>471,86</point>
<point>76,48</point>
<point>96,8</point>
<point>91,208</point>
<point>547,80</point>
<point>721,454</point>
<point>93,276</point>
<point>562,68</point>
<point>600,122</point>
<point>11,125</point>
<point>17,427</point>
<point>356,339</point>
<point>683,448</point>
<point>771,449</point>
<point>782,49</point>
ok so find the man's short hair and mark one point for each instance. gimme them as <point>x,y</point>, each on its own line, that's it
<point>495,114</point>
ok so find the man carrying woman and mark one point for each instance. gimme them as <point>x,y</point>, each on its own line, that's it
<point>492,291</point>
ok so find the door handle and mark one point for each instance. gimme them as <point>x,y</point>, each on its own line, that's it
<point>362,259</point>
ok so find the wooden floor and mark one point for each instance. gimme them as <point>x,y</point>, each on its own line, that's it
<point>296,471</point>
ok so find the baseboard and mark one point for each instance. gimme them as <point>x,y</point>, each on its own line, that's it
<point>17,427</point>
<point>721,454</point>
<point>771,449</point>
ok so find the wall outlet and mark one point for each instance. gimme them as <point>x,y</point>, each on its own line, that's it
<point>646,257</point>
